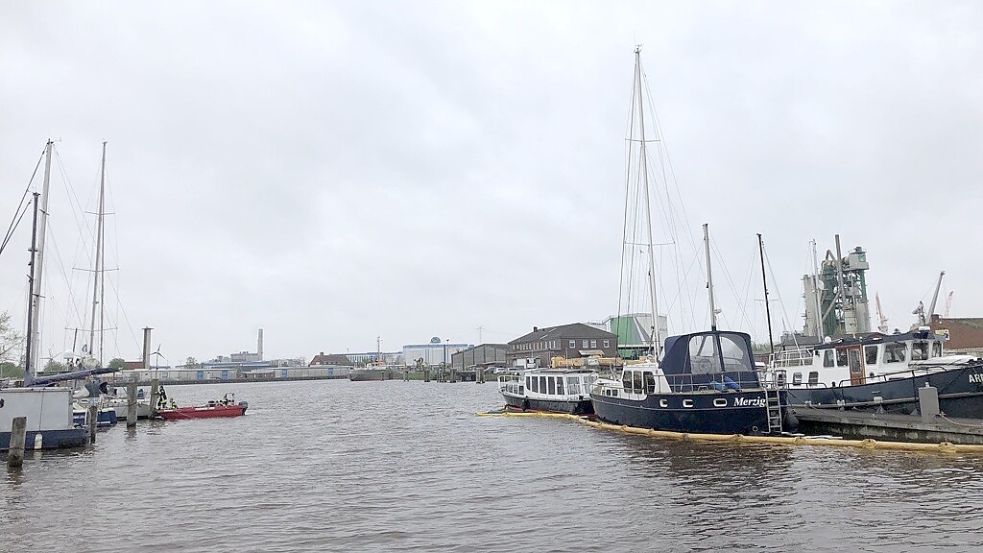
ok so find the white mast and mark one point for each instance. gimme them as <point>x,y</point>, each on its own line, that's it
<point>98,281</point>
<point>36,285</point>
<point>713,309</point>
<point>655,334</point>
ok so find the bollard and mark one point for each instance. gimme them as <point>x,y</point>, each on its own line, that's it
<point>928,402</point>
<point>426,375</point>
<point>93,419</point>
<point>154,396</point>
<point>18,435</point>
<point>131,405</point>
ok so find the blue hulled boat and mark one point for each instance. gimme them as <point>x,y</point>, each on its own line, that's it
<point>705,383</point>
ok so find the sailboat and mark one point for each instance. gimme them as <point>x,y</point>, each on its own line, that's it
<point>48,409</point>
<point>703,382</point>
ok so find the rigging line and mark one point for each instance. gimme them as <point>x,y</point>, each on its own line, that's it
<point>15,221</point>
<point>730,281</point>
<point>624,232</point>
<point>778,292</point>
<point>61,266</point>
<point>78,211</point>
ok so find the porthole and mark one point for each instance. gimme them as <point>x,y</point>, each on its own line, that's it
<point>720,402</point>
<point>663,403</point>
<point>687,403</point>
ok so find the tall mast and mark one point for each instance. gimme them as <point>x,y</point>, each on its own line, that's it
<point>815,287</point>
<point>38,264</point>
<point>656,345</point>
<point>98,284</point>
<point>713,308</point>
<point>764,282</point>
<point>29,346</point>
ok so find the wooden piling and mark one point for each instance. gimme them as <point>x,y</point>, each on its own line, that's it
<point>154,396</point>
<point>18,434</point>
<point>426,375</point>
<point>92,419</point>
<point>131,405</point>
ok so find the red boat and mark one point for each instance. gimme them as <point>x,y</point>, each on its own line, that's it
<point>227,407</point>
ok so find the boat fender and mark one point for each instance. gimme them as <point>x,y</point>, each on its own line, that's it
<point>729,382</point>
<point>525,404</point>
<point>790,422</point>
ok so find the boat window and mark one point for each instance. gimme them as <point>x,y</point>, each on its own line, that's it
<point>919,351</point>
<point>735,354</point>
<point>636,379</point>
<point>936,349</point>
<point>894,353</point>
<point>780,378</point>
<point>841,358</point>
<point>533,384</point>
<point>542,384</point>
<point>828,358</point>
<point>813,377</point>
<point>796,378</point>
<point>649,382</point>
<point>551,383</point>
<point>572,387</point>
<point>626,381</point>
<point>871,353</point>
<point>703,356</point>
<point>559,385</point>
<point>528,384</point>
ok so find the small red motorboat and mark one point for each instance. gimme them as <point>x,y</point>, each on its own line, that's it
<point>226,407</point>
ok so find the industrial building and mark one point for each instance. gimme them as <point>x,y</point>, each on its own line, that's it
<point>436,353</point>
<point>836,295</point>
<point>482,356</point>
<point>574,340</point>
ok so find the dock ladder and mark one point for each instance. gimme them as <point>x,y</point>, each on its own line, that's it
<point>773,401</point>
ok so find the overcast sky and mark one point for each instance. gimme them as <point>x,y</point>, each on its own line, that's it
<point>333,172</point>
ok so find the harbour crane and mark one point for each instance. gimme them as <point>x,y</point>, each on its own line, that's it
<point>948,304</point>
<point>882,327</point>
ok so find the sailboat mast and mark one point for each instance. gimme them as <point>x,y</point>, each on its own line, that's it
<point>97,285</point>
<point>656,345</point>
<point>764,283</point>
<point>29,346</point>
<point>713,308</point>
<point>38,264</point>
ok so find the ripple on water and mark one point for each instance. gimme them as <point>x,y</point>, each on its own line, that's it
<point>406,466</point>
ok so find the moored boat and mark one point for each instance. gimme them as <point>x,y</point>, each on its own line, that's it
<point>881,372</point>
<point>226,407</point>
<point>549,390</point>
<point>49,417</point>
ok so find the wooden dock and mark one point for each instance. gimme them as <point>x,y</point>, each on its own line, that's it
<point>888,426</point>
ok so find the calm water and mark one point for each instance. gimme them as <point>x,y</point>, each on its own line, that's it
<point>406,466</point>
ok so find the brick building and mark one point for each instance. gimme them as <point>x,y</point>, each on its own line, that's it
<point>965,335</point>
<point>570,341</point>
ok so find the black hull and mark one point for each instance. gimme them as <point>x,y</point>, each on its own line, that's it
<point>960,393</point>
<point>745,412</point>
<point>579,407</point>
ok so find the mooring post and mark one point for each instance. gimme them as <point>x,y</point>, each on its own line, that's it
<point>426,375</point>
<point>18,434</point>
<point>131,405</point>
<point>928,402</point>
<point>92,418</point>
<point>154,395</point>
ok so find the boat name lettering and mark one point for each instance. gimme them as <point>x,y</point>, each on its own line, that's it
<point>976,378</point>
<point>749,402</point>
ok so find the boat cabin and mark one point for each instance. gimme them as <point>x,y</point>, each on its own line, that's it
<point>548,383</point>
<point>852,361</point>
<point>703,361</point>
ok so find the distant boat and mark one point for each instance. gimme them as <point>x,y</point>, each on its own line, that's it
<point>375,370</point>
<point>549,390</point>
<point>226,407</point>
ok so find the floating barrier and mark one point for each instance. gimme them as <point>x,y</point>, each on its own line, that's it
<point>944,447</point>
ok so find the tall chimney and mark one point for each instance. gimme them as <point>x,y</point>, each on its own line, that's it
<point>146,348</point>
<point>259,344</point>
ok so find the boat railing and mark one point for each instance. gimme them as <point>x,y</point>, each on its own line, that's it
<point>797,357</point>
<point>718,382</point>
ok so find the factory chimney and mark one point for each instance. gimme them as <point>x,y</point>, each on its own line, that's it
<point>259,344</point>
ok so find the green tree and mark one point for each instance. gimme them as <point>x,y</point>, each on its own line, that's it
<point>117,363</point>
<point>54,367</point>
<point>10,370</point>
<point>8,338</point>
